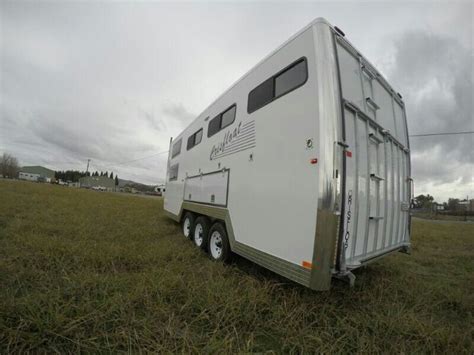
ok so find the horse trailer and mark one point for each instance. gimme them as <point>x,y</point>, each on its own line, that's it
<point>302,166</point>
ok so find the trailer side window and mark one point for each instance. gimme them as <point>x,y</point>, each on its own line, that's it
<point>176,148</point>
<point>214,126</point>
<point>194,139</point>
<point>290,79</point>
<point>285,81</point>
<point>228,117</point>
<point>260,96</point>
<point>221,121</point>
<point>174,172</point>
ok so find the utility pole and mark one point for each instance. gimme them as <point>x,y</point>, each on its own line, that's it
<point>467,208</point>
<point>87,169</point>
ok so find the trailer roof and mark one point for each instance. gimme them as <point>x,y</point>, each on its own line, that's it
<point>312,23</point>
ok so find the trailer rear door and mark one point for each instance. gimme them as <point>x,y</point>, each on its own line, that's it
<point>377,174</point>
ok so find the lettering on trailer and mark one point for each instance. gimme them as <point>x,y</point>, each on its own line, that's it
<point>235,140</point>
<point>348,219</point>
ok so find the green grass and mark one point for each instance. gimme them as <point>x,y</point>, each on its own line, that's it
<point>444,217</point>
<point>99,272</point>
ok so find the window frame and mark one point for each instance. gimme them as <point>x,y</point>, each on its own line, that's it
<point>175,154</point>
<point>273,78</point>
<point>219,118</point>
<point>174,178</point>
<point>233,118</point>
<point>193,136</point>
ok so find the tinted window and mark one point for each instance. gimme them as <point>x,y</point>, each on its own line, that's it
<point>214,126</point>
<point>198,137</point>
<point>278,85</point>
<point>190,142</point>
<point>221,121</point>
<point>176,148</point>
<point>174,172</point>
<point>228,117</point>
<point>195,139</point>
<point>260,96</point>
<point>290,79</point>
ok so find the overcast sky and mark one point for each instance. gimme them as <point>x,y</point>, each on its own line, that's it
<point>113,81</point>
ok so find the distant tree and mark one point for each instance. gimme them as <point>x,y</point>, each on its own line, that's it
<point>453,204</point>
<point>106,174</point>
<point>70,175</point>
<point>111,174</point>
<point>9,166</point>
<point>422,201</point>
<point>101,173</point>
<point>116,180</point>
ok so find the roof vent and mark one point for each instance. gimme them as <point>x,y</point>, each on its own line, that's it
<point>339,31</point>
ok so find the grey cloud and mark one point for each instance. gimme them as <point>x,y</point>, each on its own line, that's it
<point>178,112</point>
<point>435,73</point>
<point>66,67</point>
<point>155,122</point>
<point>62,137</point>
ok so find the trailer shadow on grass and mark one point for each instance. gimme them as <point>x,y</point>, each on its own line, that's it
<point>368,275</point>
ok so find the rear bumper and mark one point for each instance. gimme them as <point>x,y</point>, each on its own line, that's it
<point>403,247</point>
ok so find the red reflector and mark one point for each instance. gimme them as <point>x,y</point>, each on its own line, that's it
<point>313,161</point>
<point>307,264</point>
<point>348,153</point>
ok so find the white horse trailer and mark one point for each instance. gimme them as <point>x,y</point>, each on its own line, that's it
<point>302,166</point>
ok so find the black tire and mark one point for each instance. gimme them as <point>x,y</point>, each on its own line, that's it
<point>205,224</point>
<point>189,228</point>
<point>224,246</point>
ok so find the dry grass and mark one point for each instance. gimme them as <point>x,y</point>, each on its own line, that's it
<point>97,272</point>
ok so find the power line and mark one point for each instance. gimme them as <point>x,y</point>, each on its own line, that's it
<point>440,134</point>
<point>133,160</point>
<point>166,151</point>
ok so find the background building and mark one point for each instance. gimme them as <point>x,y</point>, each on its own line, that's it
<point>36,173</point>
<point>466,205</point>
<point>28,176</point>
<point>97,183</point>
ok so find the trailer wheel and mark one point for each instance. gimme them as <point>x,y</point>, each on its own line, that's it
<point>218,243</point>
<point>201,231</point>
<point>188,224</point>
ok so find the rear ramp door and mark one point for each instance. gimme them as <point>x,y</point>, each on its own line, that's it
<point>377,193</point>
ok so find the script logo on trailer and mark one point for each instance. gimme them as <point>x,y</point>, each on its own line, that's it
<point>235,140</point>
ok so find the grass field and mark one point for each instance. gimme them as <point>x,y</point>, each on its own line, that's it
<point>101,272</point>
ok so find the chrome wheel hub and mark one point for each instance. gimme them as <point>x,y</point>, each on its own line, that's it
<point>215,245</point>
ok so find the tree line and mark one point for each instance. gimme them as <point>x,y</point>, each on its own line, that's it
<point>427,201</point>
<point>75,175</point>
<point>9,168</point>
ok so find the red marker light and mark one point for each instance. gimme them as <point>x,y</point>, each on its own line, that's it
<point>348,154</point>
<point>313,161</point>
